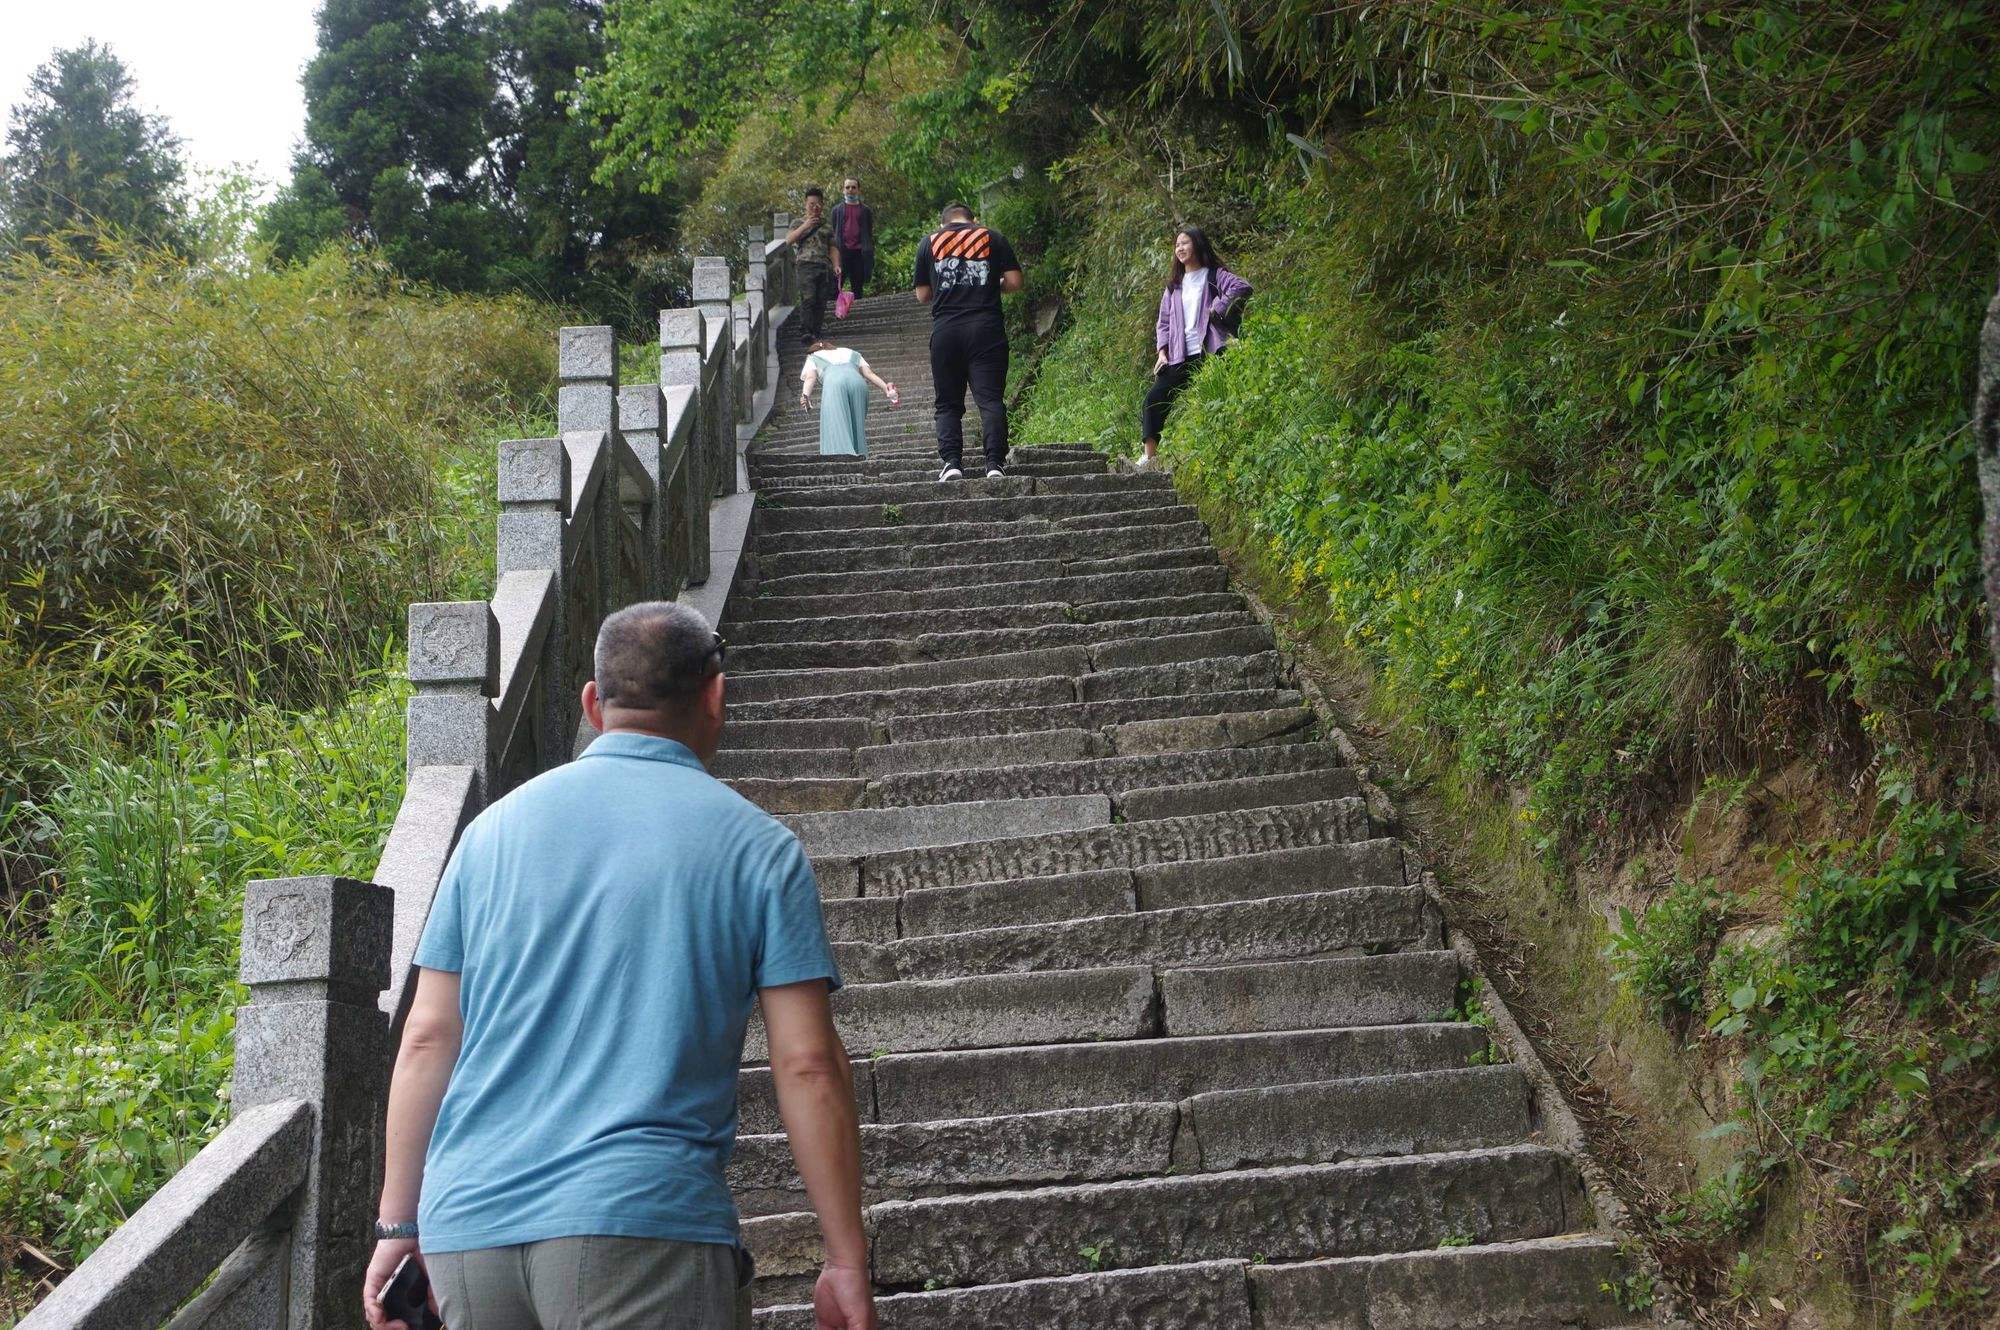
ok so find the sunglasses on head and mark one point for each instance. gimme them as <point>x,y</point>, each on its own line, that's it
<point>720,650</point>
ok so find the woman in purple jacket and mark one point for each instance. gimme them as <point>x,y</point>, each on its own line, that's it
<point>1199,312</point>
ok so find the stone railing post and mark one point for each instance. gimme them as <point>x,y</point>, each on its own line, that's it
<point>455,665</point>
<point>642,410</point>
<point>784,290</point>
<point>757,298</point>
<point>756,286</point>
<point>683,342</point>
<point>587,401</point>
<point>741,323</point>
<point>534,497</point>
<point>711,297</point>
<point>315,954</point>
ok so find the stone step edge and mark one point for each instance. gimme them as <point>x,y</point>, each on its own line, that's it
<point>1184,1118</point>
<point>883,872</point>
<point>883,1219</point>
<point>867,964</point>
<point>880,704</point>
<point>1228,1289</point>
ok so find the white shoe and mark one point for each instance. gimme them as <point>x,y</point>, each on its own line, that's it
<point>950,473</point>
<point>1141,462</point>
<point>994,473</point>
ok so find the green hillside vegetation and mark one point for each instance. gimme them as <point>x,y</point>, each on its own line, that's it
<point>1631,492</point>
<point>224,481</point>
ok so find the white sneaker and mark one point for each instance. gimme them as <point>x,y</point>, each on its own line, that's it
<point>994,473</point>
<point>950,473</point>
<point>1141,462</point>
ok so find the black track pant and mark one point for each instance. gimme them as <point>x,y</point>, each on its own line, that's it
<point>856,267</point>
<point>974,352</point>
<point>816,287</point>
<point>1167,385</point>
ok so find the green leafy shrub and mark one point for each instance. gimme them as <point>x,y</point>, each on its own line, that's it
<point>1663,954</point>
<point>124,976</point>
<point>242,460</point>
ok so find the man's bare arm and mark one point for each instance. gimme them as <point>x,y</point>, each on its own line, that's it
<point>815,1085</point>
<point>424,1063</point>
<point>423,1069</point>
<point>923,294</point>
<point>1011,281</point>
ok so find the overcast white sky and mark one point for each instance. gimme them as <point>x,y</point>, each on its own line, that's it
<point>225,73</point>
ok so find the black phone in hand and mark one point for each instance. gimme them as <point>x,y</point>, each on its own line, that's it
<point>407,1296</point>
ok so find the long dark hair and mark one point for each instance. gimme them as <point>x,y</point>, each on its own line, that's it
<point>1204,254</point>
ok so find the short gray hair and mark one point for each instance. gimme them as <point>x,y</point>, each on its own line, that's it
<point>955,212</point>
<point>654,655</point>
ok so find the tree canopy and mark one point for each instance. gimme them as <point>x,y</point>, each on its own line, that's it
<point>81,154</point>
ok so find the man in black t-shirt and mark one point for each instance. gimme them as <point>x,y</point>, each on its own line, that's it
<point>961,272</point>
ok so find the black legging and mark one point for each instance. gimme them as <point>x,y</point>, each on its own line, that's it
<point>856,267</point>
<point>1167,385</point>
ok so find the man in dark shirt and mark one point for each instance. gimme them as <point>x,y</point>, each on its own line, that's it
<point>818,263</point>
<point>962,271</point>
<point>854,233</point>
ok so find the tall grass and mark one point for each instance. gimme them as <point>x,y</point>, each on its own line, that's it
<point>241,461</point>
<point>122,973</point>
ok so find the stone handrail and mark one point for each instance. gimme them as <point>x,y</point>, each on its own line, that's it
<point>271,1216</point>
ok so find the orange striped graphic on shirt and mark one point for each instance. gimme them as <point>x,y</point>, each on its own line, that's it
<point>974,242</point>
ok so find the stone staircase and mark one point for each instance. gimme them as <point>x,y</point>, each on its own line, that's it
<point>1153,1025</point>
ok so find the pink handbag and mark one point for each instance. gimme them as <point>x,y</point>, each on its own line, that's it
<point>842,303</point>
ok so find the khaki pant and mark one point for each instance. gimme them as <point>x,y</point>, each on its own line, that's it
<point>594,1283</point>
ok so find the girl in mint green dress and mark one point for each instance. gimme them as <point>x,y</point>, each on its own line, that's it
<point>843,412</point>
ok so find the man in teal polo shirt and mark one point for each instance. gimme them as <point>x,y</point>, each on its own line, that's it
<point>564,1101</point>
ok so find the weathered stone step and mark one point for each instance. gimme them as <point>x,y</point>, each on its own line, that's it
<point>813,582</point>
<point>990,1011</point>
<point>869,831</point>
<point>925,491</point>
<point>1360,921</point>
<point>974,528</point>
<point>1553,1283</point>
<point>876,761</point>
<point>885,705</point>
<point>920,727</point>
<point>916,624</point>
<point>780,470</point>
<point>1119,642</point>
<point>822,467</point>
<point>1322,1122</point>
<point>1118,659</point>
<point>995,1082</point>
<point>1087,594</point>
<point>913,715</point>
<point>776,685</point>
<point>1213,1295</point>
<point>970,553</point>
<point>926,448</point>
<point>966,1154</point>
<point>1122,845</point>
<point>935,511</point>
<point>1136,1002</point>
<point>1041,765</point>
<point>1319,766</point>
<point>965,645</point>
<point>1294,1213</point>
<point>1102,891</point>
<point>1311,994</point>
<point>1229,793</point>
